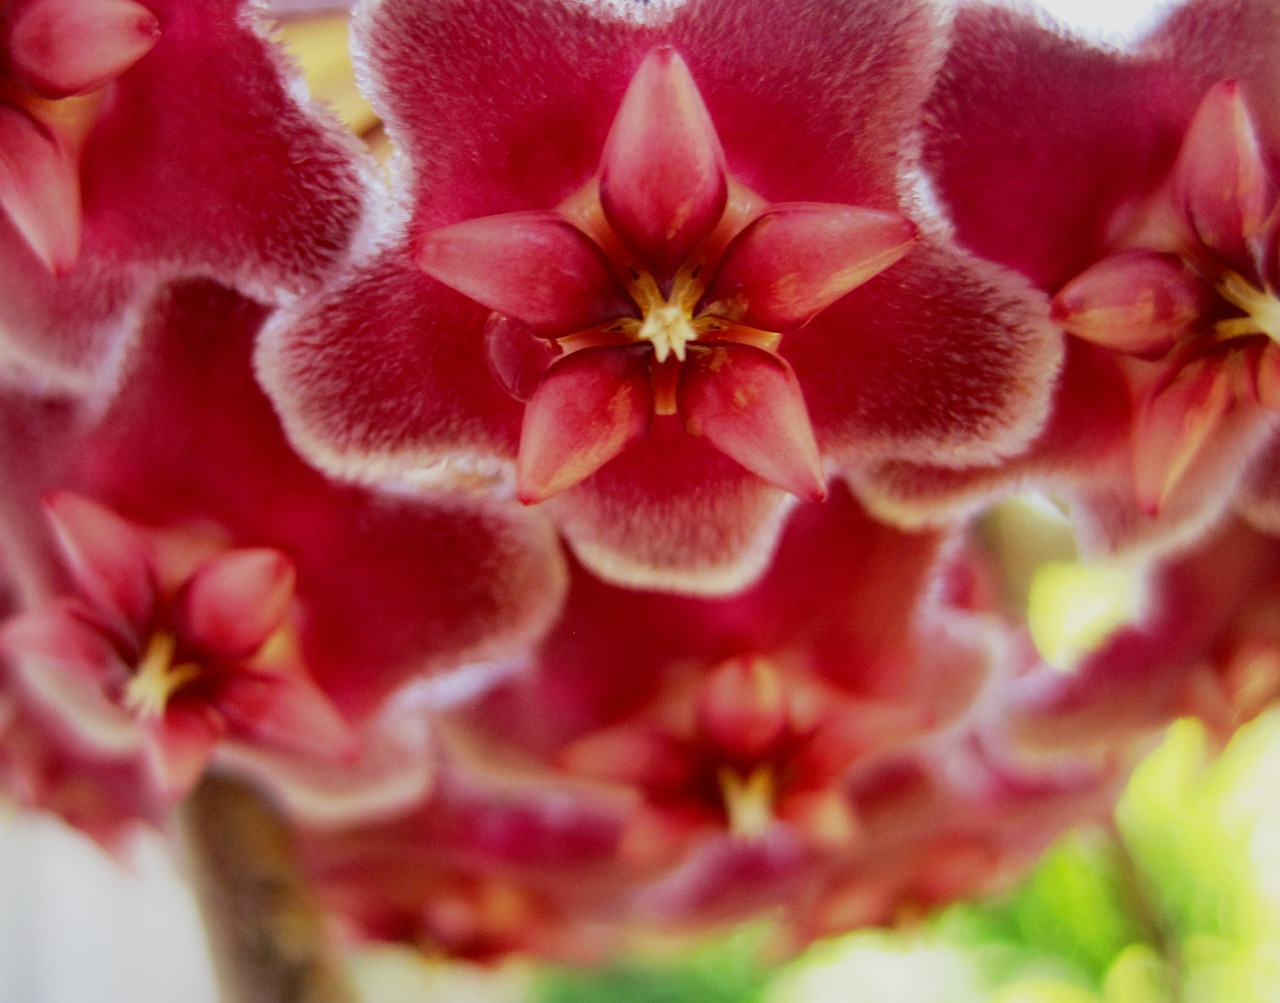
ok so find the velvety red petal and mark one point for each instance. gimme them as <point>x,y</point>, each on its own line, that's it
<point>472,92</point>
<point>179,746</point>
<point>111,561</point>
<point>588,408</point>
<point>942,359</point>
<point>672,512</point>
<point>534,266</point>
<point>286,711</point>
<point>747,404</point>
<point>775,79</point>
<point>40,189</point>
<point>1220,175</point>
<point>1026,126</point>
<point>797,259</point>
<point>64,47</point>
<point>235,601</point>
<point>387,375</point>
<point>272,217</point>
<point>390,587</point>
<point>1138,302</point>
<point>662,180</point>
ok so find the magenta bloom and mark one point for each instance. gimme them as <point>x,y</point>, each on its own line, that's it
<point>667,290</point>
<point>1140,190</point>
<point>143,139</point>
<point>192,655</point>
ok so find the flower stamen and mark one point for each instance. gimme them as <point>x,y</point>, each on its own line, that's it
<point>1261,309</point>
<point>748,801</point>
<point>157,679</point>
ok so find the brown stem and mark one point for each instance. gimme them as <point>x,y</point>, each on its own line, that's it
<point>266,936</point>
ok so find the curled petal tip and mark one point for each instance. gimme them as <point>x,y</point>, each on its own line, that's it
<point>235,601</point>
<point>662,175</point>
<point>63,47</point>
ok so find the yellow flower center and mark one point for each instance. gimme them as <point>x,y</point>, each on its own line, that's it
<point>156,679</point>
<point>1261,309</point>
<point>748,801</point>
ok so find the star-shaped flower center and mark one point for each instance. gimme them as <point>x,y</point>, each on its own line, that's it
<point>662,288</point>
<point>1191,287</point>
<point>157,678</point>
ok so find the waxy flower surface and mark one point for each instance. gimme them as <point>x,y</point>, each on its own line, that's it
<point>671,288</point>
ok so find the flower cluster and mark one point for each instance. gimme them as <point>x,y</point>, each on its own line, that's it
<point>578,526</point>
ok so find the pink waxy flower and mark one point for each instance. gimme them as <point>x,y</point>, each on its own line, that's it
<point>667,290</point>
<point>1139,189</point>
<point>130,153</point>
<point>189,656</point>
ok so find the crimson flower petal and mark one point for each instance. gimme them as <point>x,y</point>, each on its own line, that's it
<point>1138,302</point>
<point>534,266</point>
<point>236,600</point>
<point>588,408</point>
<point>662,176</point>
<point>284,710</point>
<point>180,743</point>
<point>111,562</point>
<point>798,258</point>
<point>64,47</point>
<point>1220,174</point>
<point>40,189</point>
<point>747,404</point>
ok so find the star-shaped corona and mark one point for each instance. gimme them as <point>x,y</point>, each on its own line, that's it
<point>662,290</point>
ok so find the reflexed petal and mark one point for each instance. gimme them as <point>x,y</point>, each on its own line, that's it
<point>662,177</point>
<point>798,259</point>
<point>1137,302</point>
<point>40,189</point>
<point>110,560</point>
<point>517,358</point>
<point>64,47</point>
<point>628,754</point>
<point>1172,428</point>
<point>180,744</point>
<point>286,711</point>
<point>235,601</point>
<point>1220,174</point>
<point>747,404</point>
<point>534,266</point>
<point>588,408</point>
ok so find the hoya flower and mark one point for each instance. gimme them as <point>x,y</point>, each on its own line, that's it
<point>143,139</point>
<point>1138,188</point>
<point>665,292</point>
<point>190,656</point>
<point>736,723</point>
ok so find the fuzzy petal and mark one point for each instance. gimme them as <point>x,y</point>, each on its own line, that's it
<point>235,601</point>
<point>1027,125</point>
<point>797,259</point>
<point>269,219</point>
<point>64,47</point>
<point>376,379</point>
<point>941,359</point>
<point>534,266</point>
<point>111,561</point>
<point>588,408</point>
<point>662,178</point>
<point>40,189</point>
<point>747,404</point>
